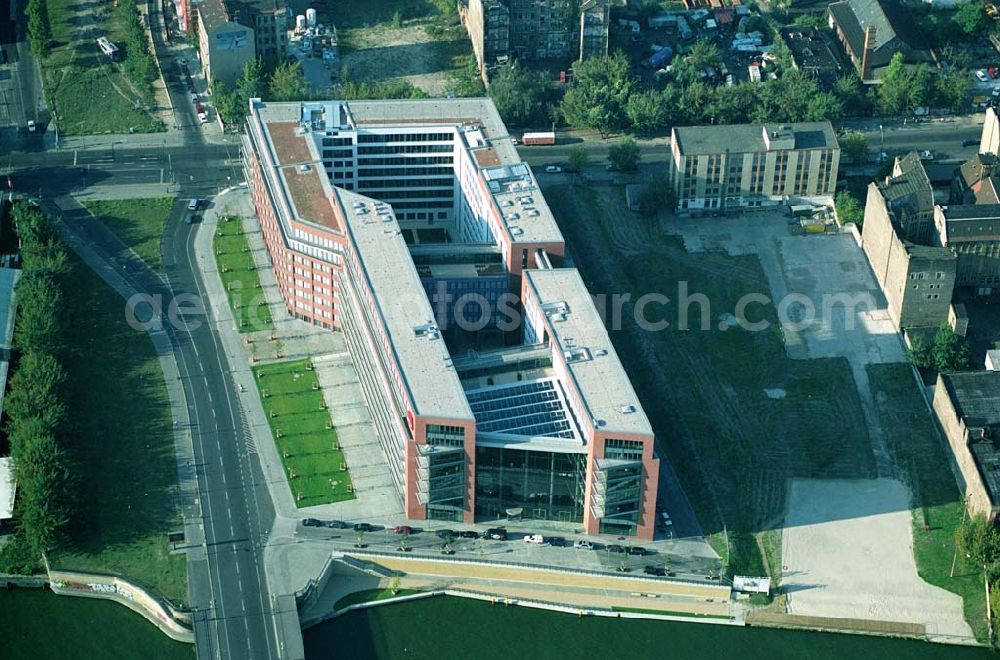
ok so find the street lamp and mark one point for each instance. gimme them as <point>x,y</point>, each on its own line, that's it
<point>882,137</point>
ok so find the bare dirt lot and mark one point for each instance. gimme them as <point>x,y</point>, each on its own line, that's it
<point>384,53</point>
<point>847,553</point>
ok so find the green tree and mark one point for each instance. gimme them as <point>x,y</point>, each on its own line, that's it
<point>598,95</point>
<point>979,540</point>
<point>520,94</point>
<point>625,155</point>
<point>36,390</point>
<point>854,145</point>
<point>951,89</point>
<point>704,55</point>
<point>919,353</point>
<point>227,103</point>
<point>852,95</point>
<point>31,224</point>
<point>466,82</point>
<point>921,87</point>
<point>894,92</point>
<point>41,467</point>
<point>251,83</point>
<point>849,209</point>
<point>38,326</point>
<point>647,113</point>
<point>949,352</point>
<point>656,197</point>
<point>39,28</point>
<point>970,17</point>
<point>286,82</point>
<point>578,158</point>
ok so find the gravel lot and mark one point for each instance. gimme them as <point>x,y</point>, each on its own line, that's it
<point>847,552</point>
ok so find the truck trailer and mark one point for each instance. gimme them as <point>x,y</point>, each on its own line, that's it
<point>546,138</point>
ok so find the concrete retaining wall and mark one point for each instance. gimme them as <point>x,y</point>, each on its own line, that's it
<point>176,624</point>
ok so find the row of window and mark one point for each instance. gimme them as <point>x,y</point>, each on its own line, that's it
<point>404,137</point>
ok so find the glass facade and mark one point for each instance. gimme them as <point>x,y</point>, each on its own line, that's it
<point>618,487</point>
<point>441,470</point>
<point>545,485</point>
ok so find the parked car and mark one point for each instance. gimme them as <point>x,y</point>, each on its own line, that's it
<point>403,529</point>
<point>515,141</point>
<point>553,169</point>
<point>982,75</point>
<point>363,527</point>
<point>446,534</point>
<point>468,534</point>
<point>615,548</point>
<point>968,142</point>
<point>583,545</point>
<point>611,167</point>
<point>311,522</point>
<point>537,539</point>
<point>659,571</point>
<point>496,534</point>
<point>557,541</point>
<point>927,154</point>
<point>203,117</point>
<point>3,56</point>
<point>193,204</point>
<point>32,126</point>
<point>637,550</point>
<point>336,524</point>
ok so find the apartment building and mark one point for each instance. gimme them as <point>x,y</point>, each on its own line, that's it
<point>713,168</point>
<point>917,279</point>
<point>535,30</point>
<point>224,45</point>
<point>972,231</point>
<point>389,221</point>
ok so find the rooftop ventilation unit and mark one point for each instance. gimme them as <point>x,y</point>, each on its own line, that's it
<point>526,201</point>
<point>626,409</point>
<point>601,351</point>
<point>557,307</point>
<point>533,213</point>
<point>302,129</point>
<point>386,217</point>
<point>359,205</point>
<point>507,202</point>
<point>514,216</point>
<point>516,231</point>
<point>429,330</point>
<point>303,168</point>
<point>576,355</point>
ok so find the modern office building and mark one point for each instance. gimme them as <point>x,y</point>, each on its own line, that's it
<point>414,228</point>
<point>752,165</point>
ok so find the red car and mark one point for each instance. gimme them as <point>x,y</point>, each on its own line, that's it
<point>403,529</point>
<point>199,107</point>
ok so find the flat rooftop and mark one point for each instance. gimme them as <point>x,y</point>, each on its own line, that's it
<point>595,368</point>
<point>749,138</point>
<point>427,370</point>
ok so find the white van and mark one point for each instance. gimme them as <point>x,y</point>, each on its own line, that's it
<point>193,204</point>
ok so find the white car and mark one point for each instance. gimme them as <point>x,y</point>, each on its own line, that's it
<point>515,141</point>
<point>537,539</point>
<point>553,169</point>
<point>982,75</point>
<point>583,545</point>
<point>31,126</point>
<point>203,117</point>
<point>927,154</point>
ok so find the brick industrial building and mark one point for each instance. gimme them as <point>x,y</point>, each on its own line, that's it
<point>872,31</point>
<point>389,221</point>
<point>752,165</point>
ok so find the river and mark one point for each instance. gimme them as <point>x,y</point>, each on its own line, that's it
<point>37,625</point>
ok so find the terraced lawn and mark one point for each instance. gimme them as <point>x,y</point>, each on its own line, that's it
<point>310,452</point>
<point>239,276</point>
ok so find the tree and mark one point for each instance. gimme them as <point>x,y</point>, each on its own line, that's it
<point>647,113</point>
<point>849,210</point>
<point>979,540</point>
<point>467,82</point>
<point>597,97</point>
<point>227,103</point>
<point>39,28</point>
<point>251,84</point>
<point>894,93</point>
<point>921,87</point>
<point>38,327</point>
<point>286,83</point>
<point>36,390</point>
<point>656,197</point>
<point>951,89</point>
<point>625,155</point>
<point>919,353</point>
<point>851,93</point>
<point>854,145</point>
<point>970,17</point>
<point>520,94</point>
<point>949,352</point>
<point>578,158</point>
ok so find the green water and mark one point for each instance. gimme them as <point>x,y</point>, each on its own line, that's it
<point>35,624</point>
<point>452,628</point>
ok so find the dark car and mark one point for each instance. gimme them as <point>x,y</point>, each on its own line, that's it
<point>968,142</point>
<point>637,550</point>
<point>496,534</point>
<point>312,522</point>
<point>615,548</point>
<point>659,571</point>
<point>556,541</point>
<point>468,534</point>
<point>363,527</point>
<point>3,56</point>
<point>446,533</point>
<point>403,529</point>
<point>336,524</point>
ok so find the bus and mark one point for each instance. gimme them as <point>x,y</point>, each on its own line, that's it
<point>109,49</point>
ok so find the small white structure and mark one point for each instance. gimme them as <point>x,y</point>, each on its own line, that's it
<point>300,23</point>
<point>993,359</point>
<point>7,489</point>
<point>751,585</point>
<point>311,17</point>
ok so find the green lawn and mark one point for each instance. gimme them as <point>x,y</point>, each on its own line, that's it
<point>138,222</point>
<point>917,447</point>
<point>123,444</point>
<point>82,86</point>
<point>734,414</point>
<point>315,466</point>
<point>239,276</point>
<point>370,595</point>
